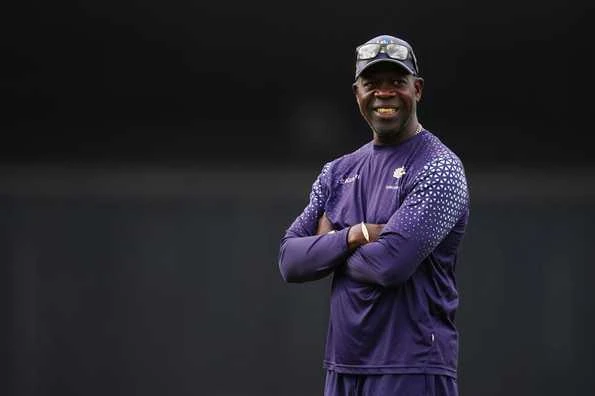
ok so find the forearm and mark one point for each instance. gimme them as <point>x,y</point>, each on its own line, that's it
<point>387,262</point>
<point>309,258</point>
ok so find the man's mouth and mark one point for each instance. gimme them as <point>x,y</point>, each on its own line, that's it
<point>385,111</point>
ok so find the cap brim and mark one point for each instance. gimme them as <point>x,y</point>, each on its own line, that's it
<point>391,60</point>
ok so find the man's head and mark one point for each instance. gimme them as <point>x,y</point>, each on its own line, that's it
<point>387,87</point>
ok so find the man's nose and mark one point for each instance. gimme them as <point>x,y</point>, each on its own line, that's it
<point>386,90</point>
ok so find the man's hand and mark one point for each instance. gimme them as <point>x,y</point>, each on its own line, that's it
<point>324,225</point>
<point>374,230</point>
<point>356,238</point>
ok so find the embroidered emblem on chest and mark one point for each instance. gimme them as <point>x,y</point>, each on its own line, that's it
<point>399,172</point>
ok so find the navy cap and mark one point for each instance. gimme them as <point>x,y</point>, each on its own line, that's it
<point>409,64</point>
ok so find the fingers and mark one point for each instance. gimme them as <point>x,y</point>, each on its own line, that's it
<point>324,225</point>
<point>374,230</point>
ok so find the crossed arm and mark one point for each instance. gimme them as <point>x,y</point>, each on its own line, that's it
<point>355,236</point>
<point>305,257</point>
<point>385,261</point>
<point>375,264</point>
<point>310,251</point>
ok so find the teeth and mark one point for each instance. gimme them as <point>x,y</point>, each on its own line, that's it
<point>385,110</point>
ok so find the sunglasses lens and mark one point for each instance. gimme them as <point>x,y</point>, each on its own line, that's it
<point>397,51</point>
<point>367,51</point>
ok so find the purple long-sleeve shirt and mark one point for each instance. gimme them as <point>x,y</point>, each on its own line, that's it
<point>393,301</point>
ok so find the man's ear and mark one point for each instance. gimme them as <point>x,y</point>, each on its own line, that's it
<point>354,88</point>
<point>419,87</point>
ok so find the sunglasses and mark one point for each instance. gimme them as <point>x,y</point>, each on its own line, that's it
<point>369,51</point>
<point>394,51</point>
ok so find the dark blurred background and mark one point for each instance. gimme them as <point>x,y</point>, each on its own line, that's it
<point>154,152</point>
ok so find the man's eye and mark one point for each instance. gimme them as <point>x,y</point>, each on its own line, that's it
<point>400,81</point>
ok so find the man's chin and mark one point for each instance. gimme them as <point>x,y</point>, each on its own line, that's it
<point>385,131</point>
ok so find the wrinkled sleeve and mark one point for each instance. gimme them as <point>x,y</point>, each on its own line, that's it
<point>304,256</point>
<point>437,201</point>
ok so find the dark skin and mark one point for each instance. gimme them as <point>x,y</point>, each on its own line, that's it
<point>355,237</point>
<point>387,97</point>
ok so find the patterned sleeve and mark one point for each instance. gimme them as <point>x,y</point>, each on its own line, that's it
<point>307,222</point>
<point>304,256</point>
<point>438,200</point>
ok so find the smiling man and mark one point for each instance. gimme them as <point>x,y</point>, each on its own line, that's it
<point>386,221</point>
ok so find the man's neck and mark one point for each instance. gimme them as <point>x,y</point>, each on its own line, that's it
<point>411,129</point>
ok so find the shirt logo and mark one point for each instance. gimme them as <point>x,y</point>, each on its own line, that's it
<point>350,179</point>
<point>399,172</point>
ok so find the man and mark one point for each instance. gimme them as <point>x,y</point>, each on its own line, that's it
<point>387,221</point>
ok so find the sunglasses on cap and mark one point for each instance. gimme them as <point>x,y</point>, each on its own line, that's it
<point>371,50</point>
<point>396,51</point>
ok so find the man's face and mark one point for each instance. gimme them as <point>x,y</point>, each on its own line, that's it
<point>387,97</point>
